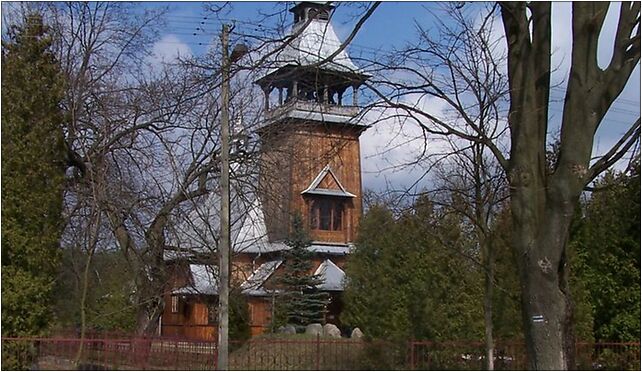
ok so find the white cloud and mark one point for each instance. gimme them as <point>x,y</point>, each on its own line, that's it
<point>394,150</point>
<point>168,49</point>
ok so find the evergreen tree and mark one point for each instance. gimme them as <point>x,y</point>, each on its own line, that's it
<point>301,303</point>
<point>109,304</point>
<point>607,245</point>
<point>32,177</point>
<point>239,316</point>
<point>404,284</point>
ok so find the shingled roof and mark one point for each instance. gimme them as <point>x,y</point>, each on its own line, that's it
<point>313,43</point>
<point>331,275</point>
<point>203,281</point>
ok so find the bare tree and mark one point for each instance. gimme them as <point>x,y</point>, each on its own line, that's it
<point>468,55</point>
<point>476,183</point>
<point>125,120</point>
<point>542,202</point>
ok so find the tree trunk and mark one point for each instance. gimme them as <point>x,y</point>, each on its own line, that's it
<point>540,241</point>
<point>150,301</point>
<point>488,308</point>
<point>91,249</point>
<point>83,308</point>
<point>543,307</point>
<point>148,316</point>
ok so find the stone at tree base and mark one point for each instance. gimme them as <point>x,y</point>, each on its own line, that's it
<point>288,329</point>
<point>356,333</point>
<point>330,330</point>
<point>314,329</point>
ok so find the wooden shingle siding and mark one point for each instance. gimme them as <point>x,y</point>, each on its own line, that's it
<point>292,159</point>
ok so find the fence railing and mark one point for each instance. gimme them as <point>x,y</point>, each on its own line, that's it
<point>296,352</point>
<point>428,355</point>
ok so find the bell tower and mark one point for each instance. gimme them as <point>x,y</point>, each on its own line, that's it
<point>310,162</point>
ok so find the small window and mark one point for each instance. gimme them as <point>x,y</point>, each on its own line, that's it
<point>174,301</point>
<point>212,313</point>
<point>187,309</point>
<point>324,15</point>
<point>336,216</point>
<point>321,14</point>
<point>326,214</point>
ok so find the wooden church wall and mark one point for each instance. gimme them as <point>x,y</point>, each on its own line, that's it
<point>274,182</point>
<point>190,321</point>
<point>292,160</point>
<point>191,318</point>
<point>260,311</point>
<point>340,149</point>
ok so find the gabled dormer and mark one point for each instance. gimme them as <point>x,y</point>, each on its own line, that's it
<point>328,202</point>
<point>326,183</point>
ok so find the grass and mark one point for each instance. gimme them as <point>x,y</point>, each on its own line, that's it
<point>296,352</point>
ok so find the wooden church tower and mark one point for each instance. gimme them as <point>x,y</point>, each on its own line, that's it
<point>309,166</point>
<point>310,163</point>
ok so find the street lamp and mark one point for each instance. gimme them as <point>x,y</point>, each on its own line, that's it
<point>225,243</point>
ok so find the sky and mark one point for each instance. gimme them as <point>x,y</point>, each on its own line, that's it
<point>392,25</point>
<point>190,30</point>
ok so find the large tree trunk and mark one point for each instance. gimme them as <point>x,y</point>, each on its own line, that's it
<point>148,316</point>
<point>152,285</point>
<point>154,275</point>
<point>539,238</point>
<point>150,305</point>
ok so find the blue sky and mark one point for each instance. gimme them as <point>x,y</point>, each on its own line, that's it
<point>392,25</point>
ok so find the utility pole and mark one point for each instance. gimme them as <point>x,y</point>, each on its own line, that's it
<point>224,243</point>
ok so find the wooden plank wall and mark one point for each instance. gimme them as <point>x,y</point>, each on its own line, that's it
<point>191,320</point>
<point>291,161</point>
<point>260,310</point>
<point>338,147</point>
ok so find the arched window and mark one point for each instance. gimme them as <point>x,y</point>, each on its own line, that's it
<point>326,214</point>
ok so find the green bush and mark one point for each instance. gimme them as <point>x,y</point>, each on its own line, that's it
<point>239,317</point>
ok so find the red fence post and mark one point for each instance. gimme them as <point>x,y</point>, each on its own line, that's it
<point>411,349</point>
<point>216,354</point>
<point>318,353</point>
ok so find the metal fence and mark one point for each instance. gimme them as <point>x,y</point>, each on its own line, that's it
<point>428,355</point>
<point>296,352</point>
<point>107,354</point>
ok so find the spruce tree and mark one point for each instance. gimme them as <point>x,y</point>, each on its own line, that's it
<point>32,177</point>
<point>606,243</point>
<point>301,302</point>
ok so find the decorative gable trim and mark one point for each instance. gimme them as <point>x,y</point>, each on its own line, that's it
<point>316,190</point>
